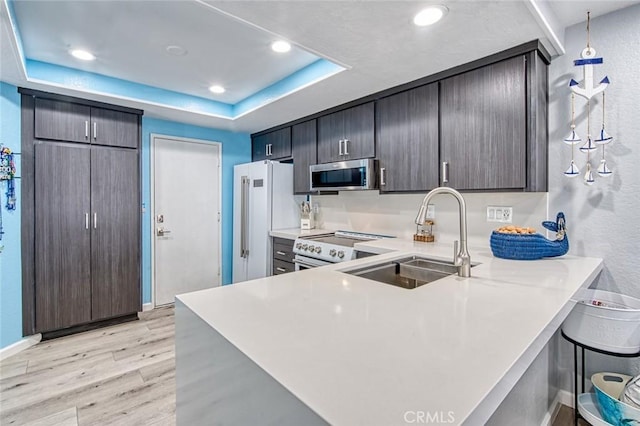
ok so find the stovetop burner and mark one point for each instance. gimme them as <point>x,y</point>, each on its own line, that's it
<point>337,247</point>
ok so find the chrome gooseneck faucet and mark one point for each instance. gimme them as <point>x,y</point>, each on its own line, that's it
<point>461,257</point>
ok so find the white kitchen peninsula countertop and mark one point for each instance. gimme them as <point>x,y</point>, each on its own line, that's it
<point>357,351</point>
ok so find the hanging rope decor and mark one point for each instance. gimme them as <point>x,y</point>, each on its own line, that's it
<point>7,173</point>
<point>586,89</point>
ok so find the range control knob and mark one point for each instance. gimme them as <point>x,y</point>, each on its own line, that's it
<point>340,254</point>
<point>311,248</point>
<point>332,252</point>
<point>298,246</point>
<point>318,249</point>
<point>304,247</point>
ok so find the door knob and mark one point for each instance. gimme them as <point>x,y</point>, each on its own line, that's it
<point>161,232</point>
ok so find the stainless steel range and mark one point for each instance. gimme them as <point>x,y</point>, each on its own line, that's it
<point>321,250</point>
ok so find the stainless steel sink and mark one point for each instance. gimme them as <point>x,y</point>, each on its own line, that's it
<point>408,272</point>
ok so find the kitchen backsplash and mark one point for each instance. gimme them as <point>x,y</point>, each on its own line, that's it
<point>368,211</point>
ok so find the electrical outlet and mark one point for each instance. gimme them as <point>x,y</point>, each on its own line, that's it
<point>507,214</point>
<point>499,214</point>
<point>491,214</point>
<point>431,211</point>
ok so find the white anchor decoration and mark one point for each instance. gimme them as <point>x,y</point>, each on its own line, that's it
<point>587,90</point>
<point>588,60</point>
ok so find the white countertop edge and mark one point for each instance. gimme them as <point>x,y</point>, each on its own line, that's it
<point>485,409</point>
<point>293,233</point>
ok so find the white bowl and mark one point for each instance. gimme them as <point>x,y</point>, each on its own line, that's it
<point>612,324</point>
<point>588,408</point>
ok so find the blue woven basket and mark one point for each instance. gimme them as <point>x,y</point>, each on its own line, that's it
<point>531,246</point>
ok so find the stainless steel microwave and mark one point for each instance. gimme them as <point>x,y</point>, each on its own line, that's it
<point>343,175</point>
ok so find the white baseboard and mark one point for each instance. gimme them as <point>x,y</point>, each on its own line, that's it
<point>562,398</point>
<point>19,346</point>
<point>147,307</point>
<point>565,397</point>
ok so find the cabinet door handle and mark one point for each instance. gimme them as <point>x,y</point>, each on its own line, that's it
<point>270,149</point>
<point>340,146</point>
<point>95,130</point>
<point>346,147</point>
<point>86,221</point>
<point>281,253</point>
<point>86,129</point>
<point>383,180</point>
<point>95,220</point>
<point>445,172</point>
<point>279,269</point>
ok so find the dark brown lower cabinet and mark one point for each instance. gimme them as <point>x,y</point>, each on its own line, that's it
<point>87,231</point>
<point>115,288</point>
<point>283,256</point>
<point>62,236</point>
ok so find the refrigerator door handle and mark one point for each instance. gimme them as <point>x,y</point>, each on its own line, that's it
<point>244,201</point>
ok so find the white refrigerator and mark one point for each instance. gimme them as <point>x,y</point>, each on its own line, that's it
<point>262,200</point>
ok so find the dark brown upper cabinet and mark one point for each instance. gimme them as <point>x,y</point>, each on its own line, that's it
<point>480,126</point>
<point>274,145</point>
<point>303,147</point>
<point>488,136</point>
<point>407,140</point>
<point>65,121</point>
<point>114,128</point>
<point>347,134</point>
<point>62,121</point>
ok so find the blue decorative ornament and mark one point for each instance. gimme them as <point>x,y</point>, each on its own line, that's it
<point>531,246</point>
<point>8,172</point>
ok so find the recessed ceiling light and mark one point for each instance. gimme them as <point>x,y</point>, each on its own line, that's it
<point>82,54</point>
<point>216,89</point>
<point>280,46</point>
<point>430,15</point>
<point>176,50</point>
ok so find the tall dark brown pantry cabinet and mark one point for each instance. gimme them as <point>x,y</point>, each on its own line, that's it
<point>63,236</point>
<point>81,213</point>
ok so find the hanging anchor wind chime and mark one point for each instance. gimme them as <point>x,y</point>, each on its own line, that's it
<point>588,91</point>
<point>7,173</point>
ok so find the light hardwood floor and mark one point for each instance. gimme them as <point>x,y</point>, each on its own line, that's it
<point>118,375</point>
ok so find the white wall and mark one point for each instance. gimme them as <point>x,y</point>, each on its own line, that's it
<point>602,219</point>
<point>394,214</point>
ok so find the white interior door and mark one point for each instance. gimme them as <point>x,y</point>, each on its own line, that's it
<point>186,215</point>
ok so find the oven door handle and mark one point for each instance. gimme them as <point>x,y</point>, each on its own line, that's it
<point>306,264</point>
